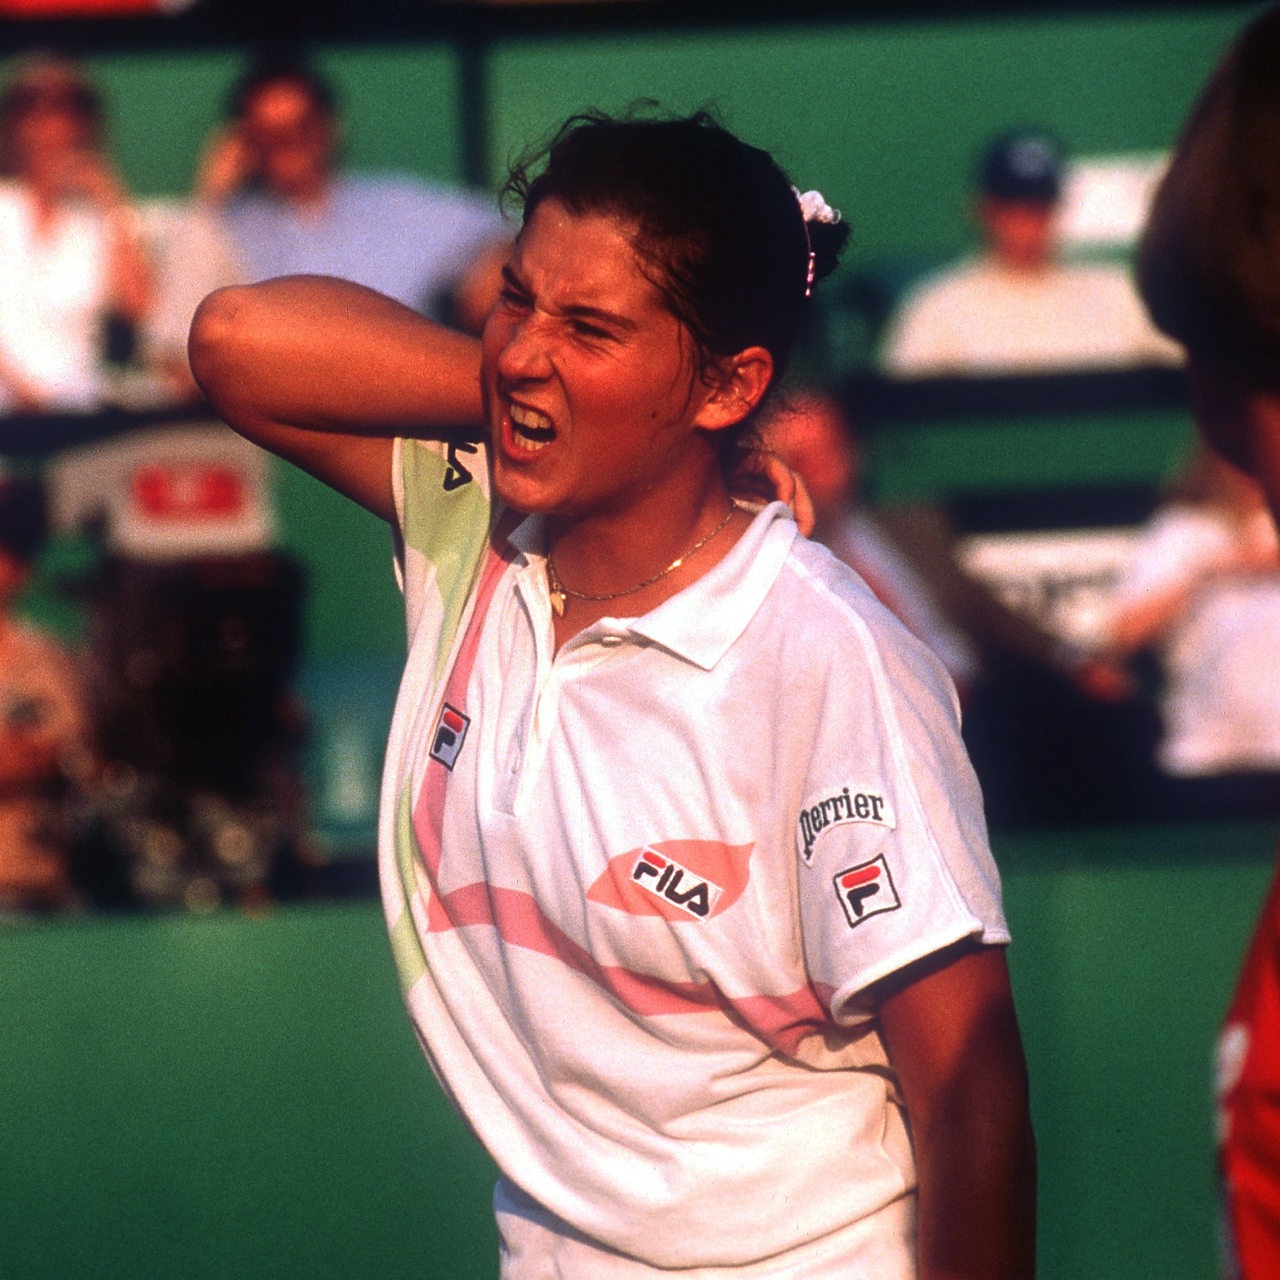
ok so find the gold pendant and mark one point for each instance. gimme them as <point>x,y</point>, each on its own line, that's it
<point>557,603</point>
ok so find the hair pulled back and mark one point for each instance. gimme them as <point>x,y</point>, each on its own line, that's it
<point>717,221</point>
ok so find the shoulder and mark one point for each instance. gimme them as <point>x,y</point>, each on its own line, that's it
<point>831,623</point>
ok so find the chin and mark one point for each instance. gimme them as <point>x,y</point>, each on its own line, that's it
<point>522,493</point>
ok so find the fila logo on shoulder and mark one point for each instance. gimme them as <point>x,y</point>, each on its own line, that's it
<point>866,891</point>
<point>666,878</point>
<point>451,730</point>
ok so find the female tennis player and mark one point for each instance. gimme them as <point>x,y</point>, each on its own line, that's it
<point>684,865</point>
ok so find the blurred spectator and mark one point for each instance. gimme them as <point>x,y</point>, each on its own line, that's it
<point>1015,307</point>
<point>907,554</point>
<point>274,174</point>
<point>1051,740</point>
<point>69,249</point>
<point>193,254</point>
<point>811,433</point>
<point>42,724</point>
<point>195,620</point>
<point>1209,269</point>
<point>1203,592</point>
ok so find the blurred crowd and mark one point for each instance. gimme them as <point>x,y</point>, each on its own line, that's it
<point>154,758</point>
<point>157,759</point>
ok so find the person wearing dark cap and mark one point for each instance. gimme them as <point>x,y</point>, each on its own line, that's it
<point>1209,271</point>
<point>1015,306</point>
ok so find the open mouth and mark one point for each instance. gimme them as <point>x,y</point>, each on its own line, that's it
<point>530,430</point>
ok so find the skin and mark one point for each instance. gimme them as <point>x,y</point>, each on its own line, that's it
<point>811,436</point>
<point>581,358</point>
<point>1240,418</point>
<point>618,442</point>
<point>285,138</point>
<point>1019,233</point>
<point>952,1036</point>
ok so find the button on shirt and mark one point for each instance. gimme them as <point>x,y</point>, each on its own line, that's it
<point>637,888</point>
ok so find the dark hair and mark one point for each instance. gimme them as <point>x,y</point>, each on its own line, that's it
<point>281,67</point>
<point>717,220</point>
<point>1208,266</point>
<point>24,523</point>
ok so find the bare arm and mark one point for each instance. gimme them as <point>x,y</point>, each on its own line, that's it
<point>326,373</point>
<point>953,1039</point>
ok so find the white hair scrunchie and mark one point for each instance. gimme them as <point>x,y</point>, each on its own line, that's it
<point>813,208</point>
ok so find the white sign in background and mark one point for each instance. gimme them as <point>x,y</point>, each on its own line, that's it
<point>1061,578</point>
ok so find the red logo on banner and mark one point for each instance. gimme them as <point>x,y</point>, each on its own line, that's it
<point>189,491</point>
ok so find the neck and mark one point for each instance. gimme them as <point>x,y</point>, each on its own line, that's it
<point>607,553</point>
<point>311,198</point>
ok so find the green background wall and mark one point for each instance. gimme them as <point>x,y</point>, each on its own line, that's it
<point>235,1098</point>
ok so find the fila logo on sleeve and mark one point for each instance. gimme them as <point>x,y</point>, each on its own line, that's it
<point>451,730</point>
<point>867,890</point>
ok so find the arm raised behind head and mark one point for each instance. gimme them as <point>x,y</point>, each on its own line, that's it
<point>326,374</point>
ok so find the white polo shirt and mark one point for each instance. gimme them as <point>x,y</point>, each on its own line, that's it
<point>635,890</point>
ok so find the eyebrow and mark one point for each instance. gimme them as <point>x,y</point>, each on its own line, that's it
<point>576,311</point>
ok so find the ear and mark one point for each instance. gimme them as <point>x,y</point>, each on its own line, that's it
<point>738,384</point>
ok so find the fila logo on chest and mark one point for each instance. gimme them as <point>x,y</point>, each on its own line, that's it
<point>666,878</point>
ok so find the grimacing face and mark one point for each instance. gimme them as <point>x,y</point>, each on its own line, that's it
<point>591,383</point>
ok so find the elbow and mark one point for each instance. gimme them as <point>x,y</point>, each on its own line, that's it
<point>216,330</point>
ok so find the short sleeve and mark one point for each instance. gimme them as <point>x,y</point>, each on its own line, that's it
<point>893,861</point>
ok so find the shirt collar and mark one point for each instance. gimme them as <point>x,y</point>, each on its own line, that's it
<point>700,623</point>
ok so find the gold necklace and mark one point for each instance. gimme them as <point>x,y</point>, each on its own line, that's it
<point>559,591</point>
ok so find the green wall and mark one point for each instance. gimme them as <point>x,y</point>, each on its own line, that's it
<point>885,116</point>
<point>222,1097</point>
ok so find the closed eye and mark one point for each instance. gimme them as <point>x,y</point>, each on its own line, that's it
<point>595,332</point>
<point>513,293</point>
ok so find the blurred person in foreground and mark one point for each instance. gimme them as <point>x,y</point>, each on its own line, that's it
<point>1209,270</point>
<point>70,253</point>
<point>1016,306</point>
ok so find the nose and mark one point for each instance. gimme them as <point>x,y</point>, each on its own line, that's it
<point>524,354</point>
